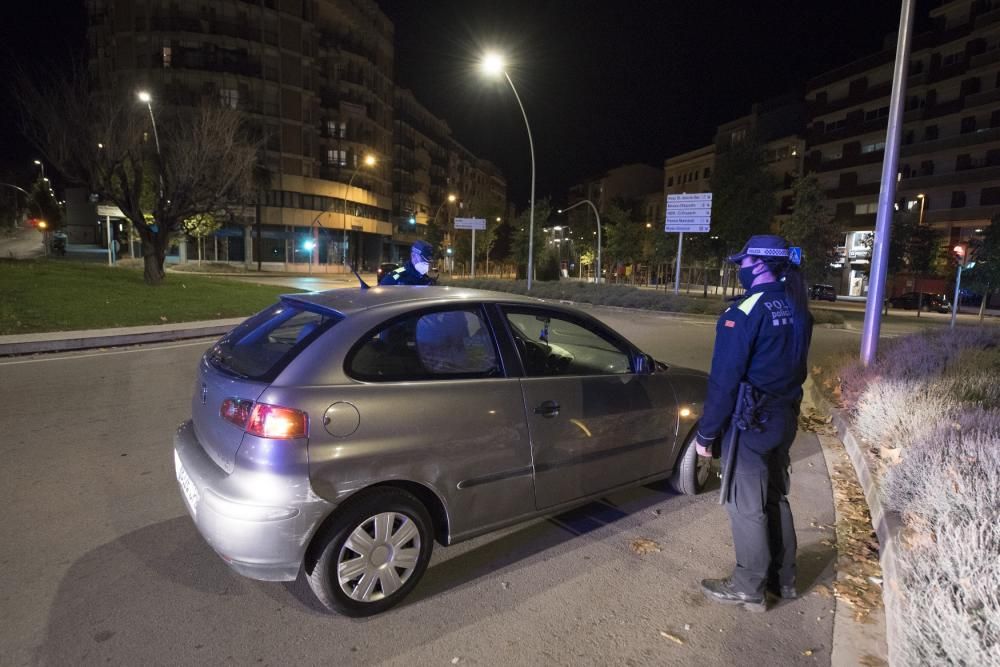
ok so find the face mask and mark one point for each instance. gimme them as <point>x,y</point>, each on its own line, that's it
<point>747,277</point>
<point>422,267</point>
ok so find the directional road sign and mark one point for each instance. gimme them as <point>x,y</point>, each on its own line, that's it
<point>470,223</point>
<point>689,213</point>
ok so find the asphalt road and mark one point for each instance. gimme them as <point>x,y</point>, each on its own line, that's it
<point>100,563</point>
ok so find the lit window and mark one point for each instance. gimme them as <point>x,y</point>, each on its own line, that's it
<point>167,55</point>
<point>331,156</point>
<point>229,97</point>
<point>866,208</point>
<point>873,147</point>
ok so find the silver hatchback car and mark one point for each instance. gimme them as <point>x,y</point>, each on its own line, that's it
<point>344,432</point>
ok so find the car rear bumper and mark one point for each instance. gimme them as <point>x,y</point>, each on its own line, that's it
<point>258,521</point>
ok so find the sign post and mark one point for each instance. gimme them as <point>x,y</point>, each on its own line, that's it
<point>687,213</point>
<point>473,224</point>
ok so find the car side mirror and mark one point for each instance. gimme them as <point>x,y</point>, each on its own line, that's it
<point>645,364</point>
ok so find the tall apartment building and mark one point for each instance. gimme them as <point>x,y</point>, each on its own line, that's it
<point>775,123</point>
<point>634,183</point>
<point>949,163</point>
<point>314,78</point>
<point>430,166</point>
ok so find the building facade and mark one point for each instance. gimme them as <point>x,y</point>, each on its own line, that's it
<point>949,163</point>
<point>314,78</point>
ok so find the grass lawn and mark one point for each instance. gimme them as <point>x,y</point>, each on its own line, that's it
<point>38,296</point>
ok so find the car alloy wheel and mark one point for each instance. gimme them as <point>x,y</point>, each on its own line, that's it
<point>371,553</point>
<point>379,557</point>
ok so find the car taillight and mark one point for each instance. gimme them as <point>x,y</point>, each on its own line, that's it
<point>265,421</point>
<point>274,421</point>
<point>236,411</point>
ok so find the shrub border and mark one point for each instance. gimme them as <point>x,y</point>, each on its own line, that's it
<point>887,524</point>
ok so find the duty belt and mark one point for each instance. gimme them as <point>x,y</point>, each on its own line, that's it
<point>748,415</point>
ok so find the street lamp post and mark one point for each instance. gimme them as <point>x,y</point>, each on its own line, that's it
<point>597,278</point>
<point>451,200</point>
<point>147,99</point>
<point>369,161</point>
<point>922,199</point>
<point>41,166</point>
<point>493,64</point>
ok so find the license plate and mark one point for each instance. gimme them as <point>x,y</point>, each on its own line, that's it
<point>187,486</point>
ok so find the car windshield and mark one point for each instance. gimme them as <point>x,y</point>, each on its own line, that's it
<point>260,347</point>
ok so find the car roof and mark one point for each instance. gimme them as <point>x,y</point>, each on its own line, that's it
<point>347,301</point>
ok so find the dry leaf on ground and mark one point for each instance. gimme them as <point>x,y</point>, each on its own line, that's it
<point>642,546</point>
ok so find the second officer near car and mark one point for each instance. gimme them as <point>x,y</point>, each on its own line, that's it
<point>414,272</point>
<point>754,391</point>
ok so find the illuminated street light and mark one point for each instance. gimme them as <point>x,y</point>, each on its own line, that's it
<point>42,167</point>
<point>147,99</point>
<point>493,65</point>
<point>589,203</point>
<point>369,161</point>
<point>922,199</point>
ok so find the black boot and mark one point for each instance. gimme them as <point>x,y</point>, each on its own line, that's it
<point>783,592</point>
<point>722,591</point>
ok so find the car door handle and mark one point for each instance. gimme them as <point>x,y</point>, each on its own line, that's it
<point>548,409</point>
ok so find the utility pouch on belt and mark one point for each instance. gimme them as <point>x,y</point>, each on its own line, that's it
<point>748,415</point>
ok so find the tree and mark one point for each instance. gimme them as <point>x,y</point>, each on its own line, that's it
<point>913,248</point>
<point>743,194</point>
<point>103,139</point>
<point>623,236</point>
<point>199,226</point>
<point>813,228</point>
<point>519,236</point>
<point>985,251</point>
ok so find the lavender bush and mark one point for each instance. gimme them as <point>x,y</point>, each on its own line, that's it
<point>935,397</point>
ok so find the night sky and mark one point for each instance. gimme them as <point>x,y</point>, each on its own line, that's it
<point>603,83</point>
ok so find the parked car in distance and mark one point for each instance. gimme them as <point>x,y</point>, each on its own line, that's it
<point>341,433</point>
<point>823,293</point>
<point>925,300</point>
<point>967,297</point>
<point>386,268</point>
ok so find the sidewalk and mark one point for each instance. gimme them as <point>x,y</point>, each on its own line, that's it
<point>63,341</point>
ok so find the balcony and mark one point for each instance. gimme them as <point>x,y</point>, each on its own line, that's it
<point>873,93</point>
<point>162,23</point>
<point>960,141</point>
<point>988,97</point>
<point>939,216</point>
<point>851,161</point>
<point>857,190</point>
<point>975,174</point>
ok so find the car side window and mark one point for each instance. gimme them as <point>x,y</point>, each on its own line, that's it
<point>444,344</point>
<point>553,345</point>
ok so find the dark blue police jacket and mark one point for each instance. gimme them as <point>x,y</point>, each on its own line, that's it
<point>755,342</point>
<point>406,275</point>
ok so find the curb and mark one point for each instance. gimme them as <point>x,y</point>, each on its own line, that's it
<point>66,341</point>
<point>887,524</point>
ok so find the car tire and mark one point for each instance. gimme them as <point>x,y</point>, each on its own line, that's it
<point>373,554</point>
<point>691,472</point>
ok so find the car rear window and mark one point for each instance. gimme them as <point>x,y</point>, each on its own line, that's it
<point>260,347</point>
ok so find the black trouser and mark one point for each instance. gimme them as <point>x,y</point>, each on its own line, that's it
<point>761,519</point>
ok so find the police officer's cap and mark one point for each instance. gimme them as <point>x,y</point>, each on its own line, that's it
<point>765,246</point>
<point>424,249</point>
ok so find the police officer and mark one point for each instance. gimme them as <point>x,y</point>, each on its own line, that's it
<point>414,272</point>
<point>754,391</point>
